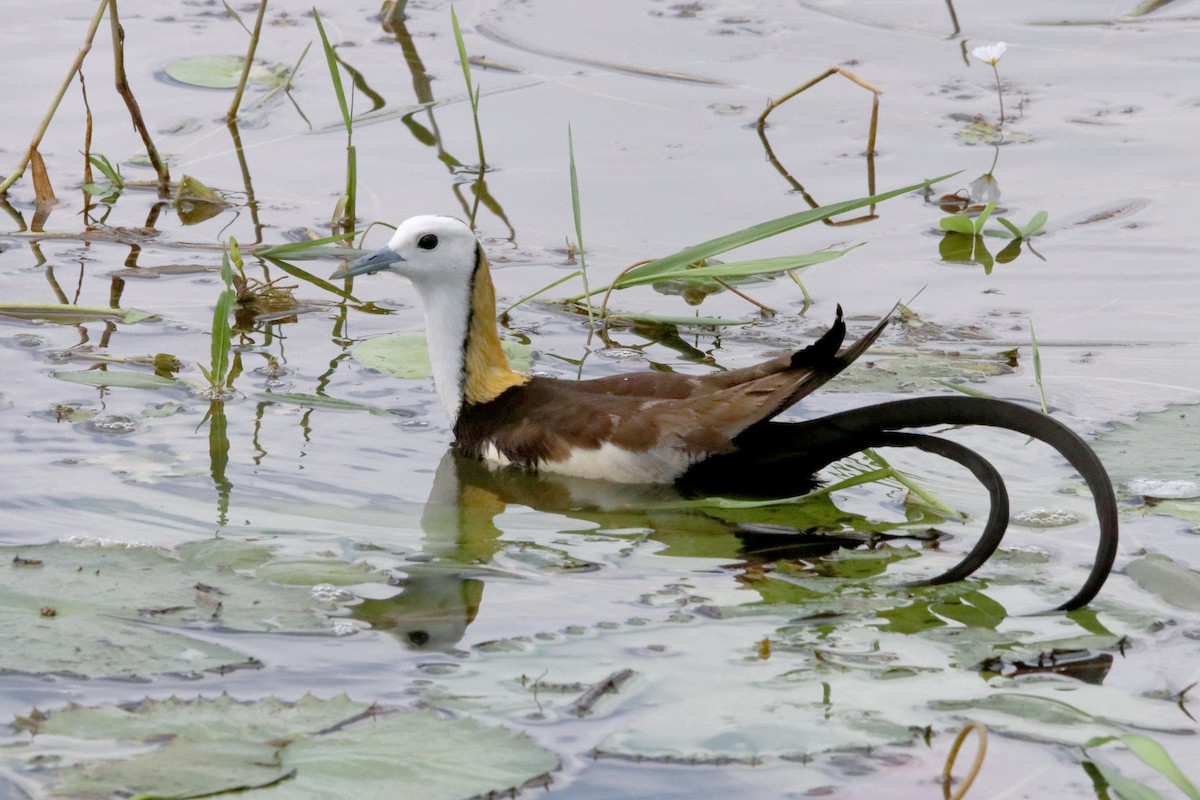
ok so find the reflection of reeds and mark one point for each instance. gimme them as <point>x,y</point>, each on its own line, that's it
<point>872,129</point>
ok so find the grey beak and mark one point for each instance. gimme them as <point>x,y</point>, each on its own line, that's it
<point>380,259</point>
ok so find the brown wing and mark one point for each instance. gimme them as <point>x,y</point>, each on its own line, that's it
<point>544,419</point>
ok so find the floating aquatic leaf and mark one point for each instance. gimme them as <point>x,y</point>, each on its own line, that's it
<point>319,401</point>
<point>124,379</point>
<point>308,749</point>
<point>404,355</point>
<point>221,72</point>
<point>1170,580</point>
<point>1148,448</point>
<point>681,321</point>
<point>64,314</point>
<point>104,593</point>
<point>195,202</point>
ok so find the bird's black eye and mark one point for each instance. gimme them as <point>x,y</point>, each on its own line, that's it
<point>427,242</point>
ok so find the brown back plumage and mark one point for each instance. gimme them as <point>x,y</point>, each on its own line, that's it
<point>543,421</point>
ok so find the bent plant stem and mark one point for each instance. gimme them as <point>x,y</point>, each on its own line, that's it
<point>19,169</point>
<point>926,496</point>
<point>135,113</point>
<point>231,114</point>
<point>981,732</point>
<point>872,133</point>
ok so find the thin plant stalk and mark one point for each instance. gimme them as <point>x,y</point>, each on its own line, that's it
<point>1037,368</point>
<point>926,496</point>
<point>999,95</point>
<point>961,791</point>
<point>472,95</point>
<point>579,232</point>
<point>872,131</point>
<point>135,112</point>
<point>19,169</point>
<point>231,114</point>
<point>472,90</point>
<point>347,119</point>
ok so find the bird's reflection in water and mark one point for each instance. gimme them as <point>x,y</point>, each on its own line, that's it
<point>442,591</point>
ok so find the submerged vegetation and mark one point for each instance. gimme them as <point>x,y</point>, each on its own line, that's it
<point>797,610</point>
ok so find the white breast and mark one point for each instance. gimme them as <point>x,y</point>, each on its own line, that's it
<point>609,462</point>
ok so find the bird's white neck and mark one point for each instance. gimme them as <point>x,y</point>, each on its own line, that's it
<point>469,365</point>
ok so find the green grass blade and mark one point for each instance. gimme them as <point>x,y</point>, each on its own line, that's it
<point>765,230</point>
<point>308,277</point>
<point>982,219</point>
<point>967,390</point>
<point>1126,788</point>
<point>541,291</point>
<point>221,337</point>
<point>334,73</point>
<point>1037,368</point>
<point>472,91</point>
<point>737,269</point>
<point>105,166</point>
<point>299,249</point>
<point>575,211</point>
<point>1153,755</point>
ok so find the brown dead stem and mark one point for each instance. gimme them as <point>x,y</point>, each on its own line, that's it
<point>135,112</point>
<point>19,169</point>
<point>872,130</point>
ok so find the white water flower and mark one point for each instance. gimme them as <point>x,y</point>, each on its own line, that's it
<point>984,189</point>
<point>990,53</point>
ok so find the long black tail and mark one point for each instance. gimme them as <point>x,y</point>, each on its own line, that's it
<point>922,412</point>
<point>778,451</point>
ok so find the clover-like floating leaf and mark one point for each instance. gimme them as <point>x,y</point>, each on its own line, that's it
<point>307,749</point>
<point>404,355</point>
<point>957,223</point>
<point>220,72</point>
<point>1036,225</point>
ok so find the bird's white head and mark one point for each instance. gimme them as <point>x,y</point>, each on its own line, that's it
<point>446,264</point>
<point>428,250</point>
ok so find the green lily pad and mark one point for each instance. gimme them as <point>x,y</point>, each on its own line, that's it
<point>1170,580</point>
<point>63,314</point>
<point>220,72</point>
<point>404,355</point>
<point>83,607</point>
<point>269,748</point>
<point>1150,446</point>
<point>124,379</point>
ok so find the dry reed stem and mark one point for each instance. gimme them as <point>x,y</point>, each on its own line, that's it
<point>872,132</point>
<point>231,114</point>
<point>981,732</point>
<point>135,113</point>
<point>19,170</point>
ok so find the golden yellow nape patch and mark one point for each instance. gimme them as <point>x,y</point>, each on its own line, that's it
<point>486,371</point>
